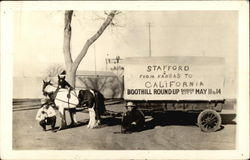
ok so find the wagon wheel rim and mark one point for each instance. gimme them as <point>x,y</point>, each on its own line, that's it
<point>209,121</point>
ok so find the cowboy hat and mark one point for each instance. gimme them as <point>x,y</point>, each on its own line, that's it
<point>130,104</point>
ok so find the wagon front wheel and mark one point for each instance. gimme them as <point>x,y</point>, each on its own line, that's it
<point>209,120</point>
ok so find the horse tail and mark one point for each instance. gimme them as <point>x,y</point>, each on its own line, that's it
<point>102,100</point>
<point>99,99</point>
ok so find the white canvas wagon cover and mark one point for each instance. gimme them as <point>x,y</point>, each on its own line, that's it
<point>174,78</point>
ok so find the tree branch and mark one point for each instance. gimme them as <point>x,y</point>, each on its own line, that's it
<point>94,38</point>
<point>103,84</point>
<point>67,38</point>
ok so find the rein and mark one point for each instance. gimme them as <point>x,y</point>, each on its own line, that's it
<point>65,101</point>
<point>53,95</point>
<point>58,90</point>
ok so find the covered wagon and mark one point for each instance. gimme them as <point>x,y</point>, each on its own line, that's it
<point>190,84</point>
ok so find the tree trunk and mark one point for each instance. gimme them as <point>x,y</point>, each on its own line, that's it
<point>70,74</point>
<point>71,67</point>
<point>122,86</point>
<point>71,77</point>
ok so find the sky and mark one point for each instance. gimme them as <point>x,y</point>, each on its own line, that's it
<point>38,37</point>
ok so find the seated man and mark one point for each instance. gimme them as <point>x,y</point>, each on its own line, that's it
<point>133,119</point>
<point>46,115</point>
<point>62,83</point>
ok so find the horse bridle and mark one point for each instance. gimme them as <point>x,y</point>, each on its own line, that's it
<point>45,93</point>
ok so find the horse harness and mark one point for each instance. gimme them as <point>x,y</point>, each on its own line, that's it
<point>52,96</point>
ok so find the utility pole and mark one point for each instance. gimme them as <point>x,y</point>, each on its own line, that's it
<point>115,64</point>
<point>117,61</point>
<point>95,59</point>
<point>149,39</point>
<point>107,59</point>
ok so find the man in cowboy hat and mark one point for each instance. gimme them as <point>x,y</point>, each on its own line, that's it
<point>62,83</point>
<point>130,106</point>
<point>133,119</point>
<point>46,115</point>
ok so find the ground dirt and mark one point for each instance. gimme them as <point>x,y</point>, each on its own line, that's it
<point>171,131</point>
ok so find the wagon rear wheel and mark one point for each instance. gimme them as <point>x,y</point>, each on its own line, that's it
<point>209,120</point>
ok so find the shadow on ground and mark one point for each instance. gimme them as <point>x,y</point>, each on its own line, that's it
<point>79,124</point>
<point>183,118</point>
<point>171,118</point>
<point>228,118</point>
<point>162,119</point>
<point>111,121</point>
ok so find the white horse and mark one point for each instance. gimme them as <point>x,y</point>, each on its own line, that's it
<point>68,101</point>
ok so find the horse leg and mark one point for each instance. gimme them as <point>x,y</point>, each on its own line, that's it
<point>97,117</point>
<point>90,117</point>
<point>73,117</point>
<point>89,120</point>
<point>95,120</point>
<point>63,120</point>
<point>61,116</point>
<point>97,108</point>
<point>92,120</point>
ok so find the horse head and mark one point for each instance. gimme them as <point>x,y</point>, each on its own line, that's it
<point>45,86</point>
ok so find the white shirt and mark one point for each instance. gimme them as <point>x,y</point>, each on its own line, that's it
<point>43,113</point>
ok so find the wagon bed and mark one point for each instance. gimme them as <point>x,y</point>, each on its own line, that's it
<point>190,84</point>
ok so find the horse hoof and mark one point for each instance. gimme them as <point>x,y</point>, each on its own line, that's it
<point>90,127</point>
<point>72,124</point>
<point>61,128</point>
<point>98,122</point>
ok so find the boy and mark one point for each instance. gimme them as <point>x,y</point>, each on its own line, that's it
<point>46,115</point>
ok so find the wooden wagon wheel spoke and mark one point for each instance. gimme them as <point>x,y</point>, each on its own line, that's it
<point>203,122</point>
<point>209,120</point>
<point>206,125</point>
<point>213,120</point>
<point>212,116</point>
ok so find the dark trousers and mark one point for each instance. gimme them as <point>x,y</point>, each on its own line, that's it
<point>48,121</point>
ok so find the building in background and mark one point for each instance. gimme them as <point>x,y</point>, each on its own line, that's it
<point>115,65</point>
<point>105,81</point>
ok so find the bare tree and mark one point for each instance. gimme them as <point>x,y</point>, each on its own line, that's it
<point>71,66</point>
<point>52,71</point>
<point>103,84</point>
<point>94,82</point>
